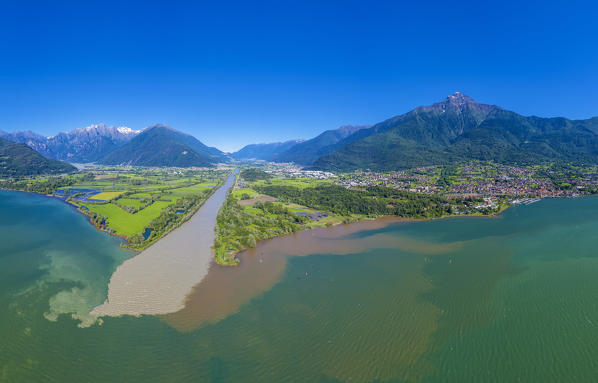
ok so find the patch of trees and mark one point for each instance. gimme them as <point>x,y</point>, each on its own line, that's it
<point>97,219</point>
<point>237,230</point>
<point>444,180</point>
<point>45,186</point>
<point>372,201</point>
<point>48,186</point>
<point>253,174</point>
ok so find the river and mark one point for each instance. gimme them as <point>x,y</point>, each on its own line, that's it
<point>157,280</point>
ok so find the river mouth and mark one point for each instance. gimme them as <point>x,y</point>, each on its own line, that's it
<point>226,289</point>
<point>456,300</point>
<point>157,280</point>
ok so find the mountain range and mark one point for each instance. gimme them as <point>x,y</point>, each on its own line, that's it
<point>78,146</point>
<point>160,145</point>
<point>18,159</point>
<point>457,129</point>
<point>460,129</point>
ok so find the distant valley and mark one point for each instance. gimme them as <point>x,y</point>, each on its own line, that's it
<point>306,153</point>
<point>265,152</point>
<point>302,152</point>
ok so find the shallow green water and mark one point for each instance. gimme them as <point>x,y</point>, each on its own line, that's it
<point>509,299</point>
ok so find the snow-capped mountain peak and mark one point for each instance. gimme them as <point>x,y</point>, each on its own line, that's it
<point>87,144</point>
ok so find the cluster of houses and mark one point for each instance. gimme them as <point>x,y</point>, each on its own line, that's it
<point>416,180</point>
<point>513,186</point>
<point>471,181</point>
<point>294,171</point>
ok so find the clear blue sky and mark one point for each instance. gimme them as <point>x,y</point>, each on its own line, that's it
<point>233,73</point>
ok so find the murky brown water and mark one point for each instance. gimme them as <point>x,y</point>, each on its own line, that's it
<point>157,280</point>
<point>226,288</point>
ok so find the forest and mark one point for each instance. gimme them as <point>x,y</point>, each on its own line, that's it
<point>371,201</point>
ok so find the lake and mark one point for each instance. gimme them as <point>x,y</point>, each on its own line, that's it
<point>505,299</point>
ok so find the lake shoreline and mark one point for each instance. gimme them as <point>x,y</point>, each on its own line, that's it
<point>391,219</point>
<point>76,208</point>
<point>125,243</point>
<point>225,289</point>
<point>406,294</point>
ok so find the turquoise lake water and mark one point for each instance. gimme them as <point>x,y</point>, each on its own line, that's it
<point>507,299</point>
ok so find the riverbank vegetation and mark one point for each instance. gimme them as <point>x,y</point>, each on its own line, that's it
<point>262,206</point>
<point>371,201</point>
<point>241,227</point>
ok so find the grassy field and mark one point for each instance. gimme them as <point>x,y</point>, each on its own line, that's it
<point>189,190</point>
<point>143,195</point>
<point>238,193</point>
<point>125,223</point>
<point>138,199</point>
<point>106,196</point>
<point>296,182</point>
<point>131,202</point>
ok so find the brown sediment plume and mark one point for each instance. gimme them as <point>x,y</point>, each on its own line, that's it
<point>157,280</point>
<point>225,289</point>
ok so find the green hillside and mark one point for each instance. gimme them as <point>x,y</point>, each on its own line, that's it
<point>307,152</point>
<point>460,129</point>
<point>161,145</point>
<point>18,160</point>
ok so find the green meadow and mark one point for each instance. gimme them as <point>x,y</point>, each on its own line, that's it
<point>300,183</point>
<point>106,196</point>
<point>135,203</point>
<point>125,223</point>
<point>132,202</point>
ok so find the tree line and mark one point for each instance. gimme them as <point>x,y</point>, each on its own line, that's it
<point>372,201</point>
